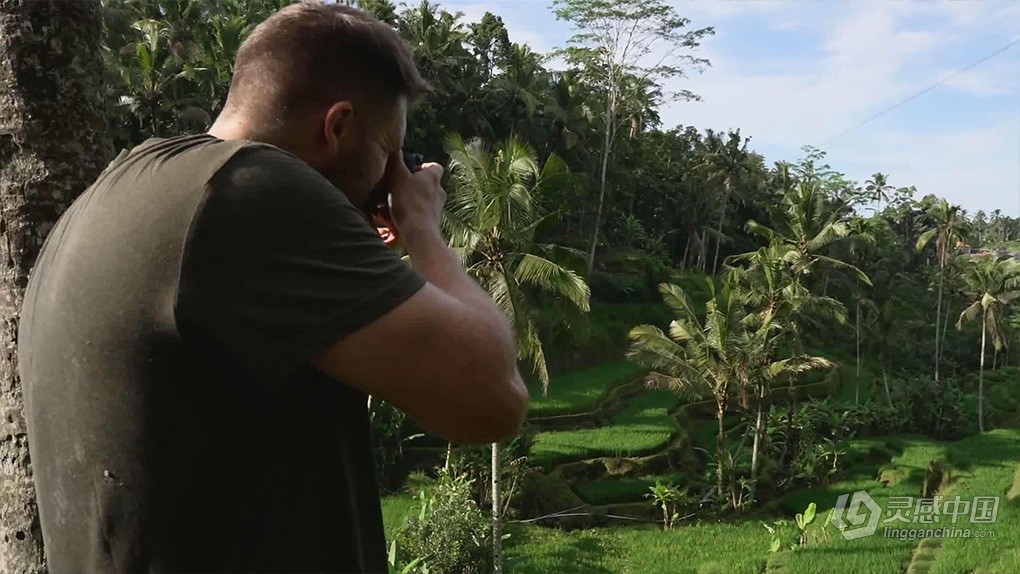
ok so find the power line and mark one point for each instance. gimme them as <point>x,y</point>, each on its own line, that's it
<point>924,91</point>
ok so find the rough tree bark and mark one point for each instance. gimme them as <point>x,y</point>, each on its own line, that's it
<point>53,144</point>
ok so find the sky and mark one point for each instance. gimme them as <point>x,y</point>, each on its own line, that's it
<point>790,73</point>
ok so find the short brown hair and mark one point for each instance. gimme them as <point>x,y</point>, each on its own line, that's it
<point>311,54</point>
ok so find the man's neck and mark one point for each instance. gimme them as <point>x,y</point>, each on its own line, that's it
<point>232,127</point>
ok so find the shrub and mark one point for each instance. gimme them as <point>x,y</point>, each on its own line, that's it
<point>388,438</point>
<point>449,535</point>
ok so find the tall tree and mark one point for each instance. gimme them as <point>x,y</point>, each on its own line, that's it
<point>492,215</point>
<point>947,227</point>
<point>878,188</point>
<point>53,144</point>
<point>992,284</point>
<point>726,161</point>
<point>696,357</point>
<point>618,38</point>
<point>779,305</point>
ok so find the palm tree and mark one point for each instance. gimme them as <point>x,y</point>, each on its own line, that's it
<point>695,357</point>
<point>878,188</point>
<point>726,162</point>
<point>780,304</point>
<point>491,217</point>
<point>992,284</point>
<point>947,228</point>
<point>763,369</point>
<point>804,227</point>
<point>862,240</point>
<point>53,146</point>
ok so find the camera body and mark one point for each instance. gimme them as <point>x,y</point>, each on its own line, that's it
<point>378,199</point>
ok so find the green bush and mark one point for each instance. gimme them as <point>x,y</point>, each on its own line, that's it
<point>389,433</point>
<point>448,535</point>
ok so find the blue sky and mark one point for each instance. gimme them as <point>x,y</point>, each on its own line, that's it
<point>792,72</point>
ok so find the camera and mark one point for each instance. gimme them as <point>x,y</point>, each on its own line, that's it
<point>378,199</point>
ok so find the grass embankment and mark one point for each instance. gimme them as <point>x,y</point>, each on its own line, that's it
<point>643,427</point>
<point>580,391</point>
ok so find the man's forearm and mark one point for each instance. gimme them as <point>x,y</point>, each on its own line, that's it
<point>438,264</point>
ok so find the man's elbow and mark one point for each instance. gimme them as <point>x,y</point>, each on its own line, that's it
<point>503,415</point>
<point>516,408</point>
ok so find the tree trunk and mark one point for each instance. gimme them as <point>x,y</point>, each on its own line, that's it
<point>857,390</point>
<point>722,218</point>
<point>945,327</point>
<point>610,121</point>
<point>938,317</point>
<point>497,530</point>
<point>683,262</point>
<point>981,375</point>
<point>789,424</point>
<point>885,382</point>
<point>703,255</point>
<point>53,144</point>
<point>449,454</point>
<point>720,442</point>
<point>758,432</point>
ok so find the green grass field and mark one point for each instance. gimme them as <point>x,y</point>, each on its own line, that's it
<point>643,427</point>
<point>984,465</point>
<point>578,392</point>
<point>705,548</point>
<point>989,465</point>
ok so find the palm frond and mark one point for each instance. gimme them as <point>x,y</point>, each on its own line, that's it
<point>969,314</point>
<point>531,269</point>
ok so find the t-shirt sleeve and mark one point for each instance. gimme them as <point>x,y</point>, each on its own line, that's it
<point>279,264</point>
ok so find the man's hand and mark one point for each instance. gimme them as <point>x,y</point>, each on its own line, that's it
<point>416,200</point>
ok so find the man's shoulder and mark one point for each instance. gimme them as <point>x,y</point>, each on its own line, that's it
<point>260,176</point>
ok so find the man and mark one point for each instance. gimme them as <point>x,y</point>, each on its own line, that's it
<point>205,322</point>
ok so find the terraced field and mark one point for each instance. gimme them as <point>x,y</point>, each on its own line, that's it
<point>603,445</point>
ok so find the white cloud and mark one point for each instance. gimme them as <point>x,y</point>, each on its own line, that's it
<point>991,79</point>
<point>876,54</point>
<point>518,30</point>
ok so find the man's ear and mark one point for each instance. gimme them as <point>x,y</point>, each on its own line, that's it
<point>338,124</point>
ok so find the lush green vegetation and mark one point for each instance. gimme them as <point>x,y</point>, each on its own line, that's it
<point>624,489</point>
<point>701,548</point>
<point>642,427</point>
<point>579,391</point>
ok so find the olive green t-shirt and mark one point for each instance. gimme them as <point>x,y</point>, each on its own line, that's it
<point>174,422</point>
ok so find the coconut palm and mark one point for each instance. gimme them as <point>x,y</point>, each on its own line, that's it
<point>947,227</point>
<point>992,284</point>
<point>779,305</point>
<point>878,188</point>
<point>695,357</point>
<point>726,162</point>
<point>492,214</point>
<point>730,352</point>
<point>491,218</point>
